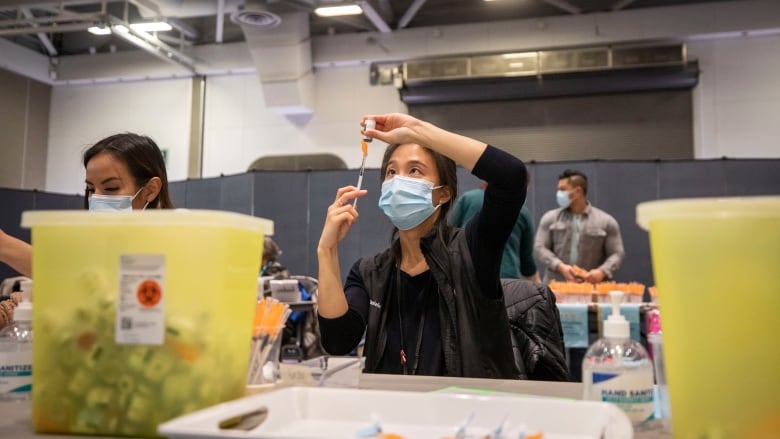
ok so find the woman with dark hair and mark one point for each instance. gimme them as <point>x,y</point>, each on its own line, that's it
<point>123,172</point>
<point>124,165</point>
<point>432,303</point>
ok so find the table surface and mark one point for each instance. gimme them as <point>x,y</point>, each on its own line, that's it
<point>15,421</point>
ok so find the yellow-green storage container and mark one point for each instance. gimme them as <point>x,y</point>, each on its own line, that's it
<point>140,317</point>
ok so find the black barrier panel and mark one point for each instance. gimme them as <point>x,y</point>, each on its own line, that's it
<point>178,193</point>
<point>297,201</point>
<point>752,177</point>
<point>236,193</point>
<point>203,194</point>
<point>282,197</point>
<point>615,182</point>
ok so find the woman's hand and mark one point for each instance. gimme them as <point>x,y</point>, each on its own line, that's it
<point>397,128</point>
<point>393,128</point>
<point>340,217</point>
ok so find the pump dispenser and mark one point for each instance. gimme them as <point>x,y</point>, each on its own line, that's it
<point>16,351</point>
<point>616,326</point>
<point>618,370</point>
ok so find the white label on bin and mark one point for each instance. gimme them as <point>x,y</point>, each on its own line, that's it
<point>140,316</point>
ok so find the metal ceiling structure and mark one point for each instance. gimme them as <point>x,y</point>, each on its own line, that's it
<point>59,28</point>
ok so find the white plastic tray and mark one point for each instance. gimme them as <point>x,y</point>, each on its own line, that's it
<point>314,412</point>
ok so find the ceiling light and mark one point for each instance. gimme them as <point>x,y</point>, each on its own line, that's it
<point>100,30</point>
<point>152,26</point>
<point>333,11</point>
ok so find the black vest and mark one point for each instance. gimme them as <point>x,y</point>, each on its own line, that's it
<point>475,329</point>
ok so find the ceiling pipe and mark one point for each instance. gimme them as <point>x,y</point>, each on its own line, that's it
<point>220,21</point>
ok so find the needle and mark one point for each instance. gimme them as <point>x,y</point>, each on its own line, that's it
<point>364,147</point>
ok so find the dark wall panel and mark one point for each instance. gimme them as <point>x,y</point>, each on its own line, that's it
<point>178,193</point>
<point>297,202</point>
<point>691,179</point>
<point>283,197</point>
<point>752,177</point>
<point>50,201</point>
<point>203,194</point>
<point>621,186</point>
<point>236,193</point>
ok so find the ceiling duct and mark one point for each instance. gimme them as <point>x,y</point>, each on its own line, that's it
<point>551,73</point>
<point>257,16</point>
<point>282,56</point>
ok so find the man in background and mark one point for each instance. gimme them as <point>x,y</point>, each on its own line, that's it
<point>518,258</point>
<point>577,241</point>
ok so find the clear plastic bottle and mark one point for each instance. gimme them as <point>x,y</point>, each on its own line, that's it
<point>16,351</point>
<point>618,369</point>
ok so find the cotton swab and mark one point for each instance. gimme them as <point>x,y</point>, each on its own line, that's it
<point>364,147</point>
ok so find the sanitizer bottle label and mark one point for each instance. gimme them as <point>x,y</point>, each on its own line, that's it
<point>631,391</point>
<point>15,372</point>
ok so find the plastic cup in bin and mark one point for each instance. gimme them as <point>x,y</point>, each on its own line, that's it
<point>264,357</point>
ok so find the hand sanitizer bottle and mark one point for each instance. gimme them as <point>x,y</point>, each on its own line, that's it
<point>16,351</point>
<point>618,369</point>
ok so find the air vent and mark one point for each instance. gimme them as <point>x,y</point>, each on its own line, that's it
<point>555,61</point>
<point>648,56</point>
<point>437,69</point>
<point>257,19</point>
<point>506,64</point>
<point>542,63</point>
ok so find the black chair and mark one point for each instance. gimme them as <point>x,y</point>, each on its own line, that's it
<point>537,335</point>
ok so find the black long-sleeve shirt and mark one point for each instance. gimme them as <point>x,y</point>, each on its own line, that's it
<point>486,235</point>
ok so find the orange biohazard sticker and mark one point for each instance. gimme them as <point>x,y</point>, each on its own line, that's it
<point>149,293</point>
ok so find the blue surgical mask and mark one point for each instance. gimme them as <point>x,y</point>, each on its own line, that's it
<point>112,203</point>
<point>407,201</point>
<point>562,198</point>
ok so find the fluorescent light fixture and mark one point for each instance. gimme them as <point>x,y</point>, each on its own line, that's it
<point>100,30</point>
<point>516,65</point>
<point>152,26</point>
<point>334,11</point>
<point>518,55</point>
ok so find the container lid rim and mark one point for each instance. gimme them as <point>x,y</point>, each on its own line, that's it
<point>702,208</point>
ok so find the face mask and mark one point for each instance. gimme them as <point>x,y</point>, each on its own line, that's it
<point>407,201</point>
<point>562,197</point>
<point>112,203</point>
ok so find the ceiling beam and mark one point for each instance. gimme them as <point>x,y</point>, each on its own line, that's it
<point>151,44</point>
<point>54,28</point>
<point>13,4</point>
<point>410,13</point>
<point>53,20</point>
<point>565,6</point>
<point>373,16</point>
<point>621,4</point>
<point>41,36</point>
